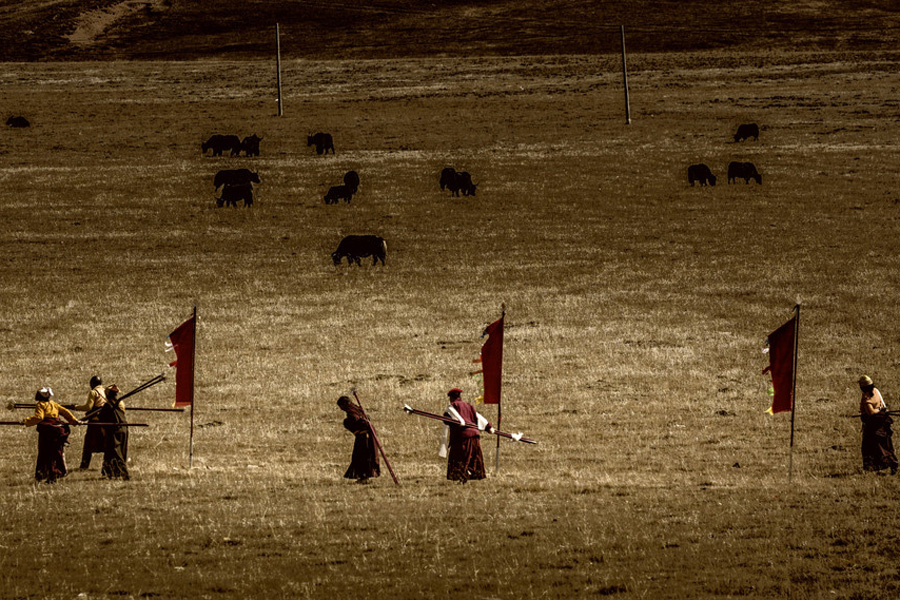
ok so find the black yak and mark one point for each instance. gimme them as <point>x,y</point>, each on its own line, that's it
<point>457,181</point>
<point>702,174</point>
<point>250,145</point>
<point>322,141</point>
<point>219,143</point>
<point>338,192</point>
<point>235,177</point>
<point>231,193</point>
<point>351,179</point>
<point>18,122</point>
<point>743,170</point>
<point>745,132</point>
<point>355,246</point>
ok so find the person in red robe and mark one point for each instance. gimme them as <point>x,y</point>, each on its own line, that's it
<point>364,460</point>
<point>464,459</point>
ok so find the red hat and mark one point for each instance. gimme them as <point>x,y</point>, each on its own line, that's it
<point>455,392</point>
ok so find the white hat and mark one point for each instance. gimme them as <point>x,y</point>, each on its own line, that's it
<point>46,392</point>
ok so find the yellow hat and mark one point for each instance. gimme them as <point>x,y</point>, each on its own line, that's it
<point>865,380</point>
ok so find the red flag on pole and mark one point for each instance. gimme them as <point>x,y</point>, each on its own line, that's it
<point>492,361</point>
<point>183,340</point>
<point>781,365</point>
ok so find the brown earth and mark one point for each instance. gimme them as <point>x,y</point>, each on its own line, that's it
<point>184,29</point>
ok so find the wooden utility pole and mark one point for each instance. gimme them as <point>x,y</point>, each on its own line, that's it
<point>278,66</point>
<point>625,78</point>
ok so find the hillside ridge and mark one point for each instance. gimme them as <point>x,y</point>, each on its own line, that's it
<point>192,29</point>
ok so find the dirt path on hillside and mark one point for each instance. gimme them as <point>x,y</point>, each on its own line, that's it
<point>92,24</point>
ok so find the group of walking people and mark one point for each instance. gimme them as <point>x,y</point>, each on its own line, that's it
<point>106,434</point>
<point>461,444</point>
<point>104,416</point>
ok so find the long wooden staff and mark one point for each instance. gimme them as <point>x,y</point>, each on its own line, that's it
<point>517,436</point>
<point>20,423</point>
<point>377,441</point>
<point>24,405</point>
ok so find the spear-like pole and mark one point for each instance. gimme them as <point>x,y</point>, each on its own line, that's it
<point>26,405</point>
<point>20,423</point>
<point>512,436</point>
<point>375,438</point>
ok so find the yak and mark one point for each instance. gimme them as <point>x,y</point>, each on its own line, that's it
<point>219,143</point>
<point>745,132</point>
<point>702,174</point>
<point>353,247</point>
<point>250,145</point>
<point>322,141</point>
<point>351,179</point>
<point>338,192</point>
<point>231,193</point>
<point>743,170</point>
<point>18,122</point>
<point>235,177</point>
<point>457,181</point>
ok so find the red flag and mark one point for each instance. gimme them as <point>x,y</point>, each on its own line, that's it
<point>781,365</point>
<point>182,340</point>
<point>492,361</point>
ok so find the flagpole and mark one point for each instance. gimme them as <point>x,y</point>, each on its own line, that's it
<point>794,391</point>
<point>193,370</point>
<point>499,403</point>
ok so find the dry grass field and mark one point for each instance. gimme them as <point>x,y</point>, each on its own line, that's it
<point>637,305</point>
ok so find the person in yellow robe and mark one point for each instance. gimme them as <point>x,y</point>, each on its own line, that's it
<point>53,436</point>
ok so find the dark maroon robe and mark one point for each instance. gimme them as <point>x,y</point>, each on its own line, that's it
<point>364,460</point>
<point>115,437</point>
<point>464,458</point>
<point>877,442</point>
<point>53,436</point>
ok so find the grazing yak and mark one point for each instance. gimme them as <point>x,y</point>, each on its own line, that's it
<point>18,122</point>
<point>745,171</point>
<point>356,246</point>
<point>351,179</point>
<point>457,181</point>
<point>323,142</point>
<point>231,193</point>
<point>338,192</point>
<point>702,174</point>
<point>235,177</point>
<point>745,132</point>
<point>250,145</point>
<point>219,143</point>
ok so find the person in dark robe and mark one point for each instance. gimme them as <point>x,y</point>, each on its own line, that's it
<point>877,434</point>
<point>364,460</point>
<point>464,459</point>
<point>53,436</point>
<point>115,455</point>
<point>93,438</point>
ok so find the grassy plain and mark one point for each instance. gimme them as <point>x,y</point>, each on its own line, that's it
<point>637,310</point>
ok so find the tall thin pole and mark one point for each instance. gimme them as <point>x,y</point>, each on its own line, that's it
<point>376,440</point>
<point>278,66</point>
<point>794,391</point>
<point>499,403</point>
<point>193,386</point>
<point>625,78</point>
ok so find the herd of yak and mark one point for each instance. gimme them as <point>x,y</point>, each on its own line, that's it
<point>736,170</point>
<point>237,186</point>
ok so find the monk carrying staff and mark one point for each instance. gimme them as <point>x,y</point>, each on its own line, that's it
<point>364,460</point>
<point>115,452</point>
<point>53,436</point>
<point>465,460</point>
<point>93,439</point>
<point>877,442</point>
